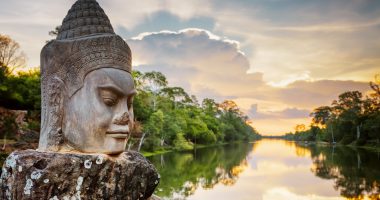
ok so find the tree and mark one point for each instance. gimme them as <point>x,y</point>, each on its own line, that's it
<point>153,128</point>
<point>321,115</point>
<point>176,94</point>
<point>349,109</point>
<point>21,91</point>
<point>154,82</point>
<point>229,106</point>
<point>11,56</point>
<point>375,86</point>
<point>300,127</point>
<point>54,33</point>
<point>210,106</point>
<point>351,117</point>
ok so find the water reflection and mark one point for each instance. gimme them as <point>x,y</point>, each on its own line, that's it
<point>270,170</point>
<point>356,172</point>
<point>182,173</point>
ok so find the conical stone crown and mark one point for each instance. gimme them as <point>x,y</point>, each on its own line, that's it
<point>85,18</point>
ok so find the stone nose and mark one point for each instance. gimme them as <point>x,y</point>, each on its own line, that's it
<point>122,119</point>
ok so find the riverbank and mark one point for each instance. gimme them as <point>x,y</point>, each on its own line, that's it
<point>340,172</point>
<point>4,154</point>
<point>199,146</point>
<point>370,147</point>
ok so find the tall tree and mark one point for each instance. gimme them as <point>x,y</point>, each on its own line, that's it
<point>11,55</point>
<point>154,82</point>
<point>321,115</point>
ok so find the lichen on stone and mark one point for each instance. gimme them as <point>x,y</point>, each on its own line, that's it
<point>28,186</point>
<point>11,161</point>
<point>36,175</point>
<point>87,164</point>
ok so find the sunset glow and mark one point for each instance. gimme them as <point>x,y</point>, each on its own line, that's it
<point>277,59</point>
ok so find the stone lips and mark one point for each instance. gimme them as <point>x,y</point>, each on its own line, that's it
<point>47,175</point>
<point>84,18</point>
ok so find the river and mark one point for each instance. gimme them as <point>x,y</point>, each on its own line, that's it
<point>269,170</point>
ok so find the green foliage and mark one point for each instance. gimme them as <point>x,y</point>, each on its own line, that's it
<point>204,167</point>
<point>181,143</point>
<point>351,119</point>
<point>21,91</point>
<point>171,118</point>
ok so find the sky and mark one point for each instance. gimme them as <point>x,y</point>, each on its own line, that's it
<point>277,59</point>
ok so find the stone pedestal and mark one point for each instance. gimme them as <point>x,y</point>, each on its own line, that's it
<point>66,176</point>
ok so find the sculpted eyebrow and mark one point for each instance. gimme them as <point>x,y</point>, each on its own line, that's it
<point>117,90</point>
<point>112,88</point>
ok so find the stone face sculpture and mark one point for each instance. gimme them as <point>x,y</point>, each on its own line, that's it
<point>87,87</point>
<point>87,92</point>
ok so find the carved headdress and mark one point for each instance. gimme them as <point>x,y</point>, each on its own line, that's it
<point>86,41</point>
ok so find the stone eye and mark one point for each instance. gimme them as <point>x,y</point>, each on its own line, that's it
<point>109,101</point>
<point>109,98</point>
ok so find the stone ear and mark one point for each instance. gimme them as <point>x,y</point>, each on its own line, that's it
<point>52,118</point>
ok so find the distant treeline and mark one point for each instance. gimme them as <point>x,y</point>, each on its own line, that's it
<point>352,119</point>
<point>166,117</point>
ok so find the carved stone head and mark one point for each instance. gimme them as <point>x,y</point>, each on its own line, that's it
<point>87,87</point>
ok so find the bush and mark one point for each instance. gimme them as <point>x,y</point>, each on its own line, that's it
<point>181,143</point>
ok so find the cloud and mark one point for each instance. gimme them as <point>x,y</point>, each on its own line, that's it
<point>213,66</point>
<point>201,62</point>
<point>316,93</point>
<point>288,113</point>
<point>284,194</point>
<point>326,27</point>
<point>292,62</point>
<point>164,20</point>
<point>195,59</point>
<point>339,36</point>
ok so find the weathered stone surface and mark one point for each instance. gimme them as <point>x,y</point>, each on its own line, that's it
<point>86,85</point>
<point>32,175</point>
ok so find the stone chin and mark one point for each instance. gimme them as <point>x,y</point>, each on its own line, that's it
<point>99,116</point>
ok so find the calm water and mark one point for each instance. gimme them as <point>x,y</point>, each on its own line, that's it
<point>269,170</point>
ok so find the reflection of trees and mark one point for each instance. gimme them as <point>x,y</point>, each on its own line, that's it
<point>183,172</point>
<point>301,151</point>
<point>355,172</point>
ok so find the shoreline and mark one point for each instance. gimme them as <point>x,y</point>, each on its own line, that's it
<point>200,146</point>
<point>351,145</point>
<point>4,154</point>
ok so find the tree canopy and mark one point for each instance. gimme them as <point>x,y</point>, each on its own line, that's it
<point>352,117</point>
<point>11,55</point>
